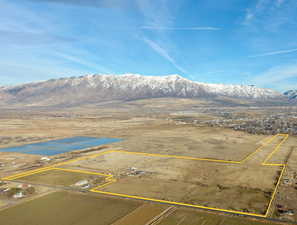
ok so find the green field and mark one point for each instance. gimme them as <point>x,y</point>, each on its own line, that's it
<point>59,177</point>
<point>190,217</point>
<point>64,208</point>
<point>2,203</point>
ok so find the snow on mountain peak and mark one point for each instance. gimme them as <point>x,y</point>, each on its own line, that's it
<point>96,88</point>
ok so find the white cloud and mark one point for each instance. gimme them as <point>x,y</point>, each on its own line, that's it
<point>156,13</point>
<point>275,53</point>
<point>279,2</point>
<point>33,49</point>
<point>260,8</point>
<point>216,72</point>
<point>179,28</point>
<point>262,4</point>
<point>277,77</point>
<point>271,15</point>
<point>159,16</point>
<point>86,63</point>
<point>17,17</point>
<point>248,16</point>
<point>162,52</point>
<point>22,72</point>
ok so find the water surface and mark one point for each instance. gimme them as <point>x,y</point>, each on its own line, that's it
<point>60,146</point>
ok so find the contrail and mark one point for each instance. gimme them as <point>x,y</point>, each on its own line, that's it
<point>90,3</point>
<point>178,28</point>
<point>275,53</point>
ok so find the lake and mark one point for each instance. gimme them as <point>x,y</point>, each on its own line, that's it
<point>55,147</point>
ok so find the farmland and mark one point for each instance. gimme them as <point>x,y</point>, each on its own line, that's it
<point>81,209</point>
<point>171,178</point>
<point>59,177</point>
<point>142,215</point>
<point>158,160</point>
<point>66,208</point>
<point>190,217</point>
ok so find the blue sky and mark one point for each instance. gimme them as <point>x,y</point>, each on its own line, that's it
<point>226,41</point>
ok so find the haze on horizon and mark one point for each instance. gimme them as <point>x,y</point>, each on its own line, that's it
<point>234,41</point>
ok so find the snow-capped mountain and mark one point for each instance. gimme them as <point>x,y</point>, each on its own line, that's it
<point>291,94</point>
<point>98,88</point>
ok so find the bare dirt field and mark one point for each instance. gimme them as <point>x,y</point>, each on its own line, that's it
<point>285,206</point>
<point>190,217</point>
<point>187,140</point>
<point>2,203</point>
<point>139,134</point>
<point>283,154</point>
<point>66,208</point>
<point>142,215</point>
<point>11,162</point>
<point>243,187</point>
<point>247,186</point>
<point>58,177</point>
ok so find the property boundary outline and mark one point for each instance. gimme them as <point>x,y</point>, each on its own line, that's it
<point>110,178</point>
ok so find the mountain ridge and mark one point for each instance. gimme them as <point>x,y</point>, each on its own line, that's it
<point>101,87</point>
<point>291,94</point>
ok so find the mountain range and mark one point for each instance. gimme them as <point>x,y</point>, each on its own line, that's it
<point>291,94</point>
<point>100,88</point>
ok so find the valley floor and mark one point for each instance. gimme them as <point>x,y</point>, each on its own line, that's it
<point>144,165</point>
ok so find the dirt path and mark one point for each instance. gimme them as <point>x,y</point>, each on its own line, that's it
<point>144,215</point>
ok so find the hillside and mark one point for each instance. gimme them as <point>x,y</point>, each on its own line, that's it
<point>291,94</point>
<point>100,88</point>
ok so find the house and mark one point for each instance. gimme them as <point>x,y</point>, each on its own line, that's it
<point>287,181</point>
<point>45,159</point>
<point>24,186</point>
<point>82,183</point>
<point>19,195</point>
<point>86,186</point>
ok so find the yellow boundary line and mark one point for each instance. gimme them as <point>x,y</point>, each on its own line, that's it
<point>286,136</point>
<point>275,191</point>
<point>82,171</point>
<point>266,142</point>
<point>175,203</point>
<point>110,179</point>
<point>43,169</point>
<point>178,157</point>
<point>284,166</point>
